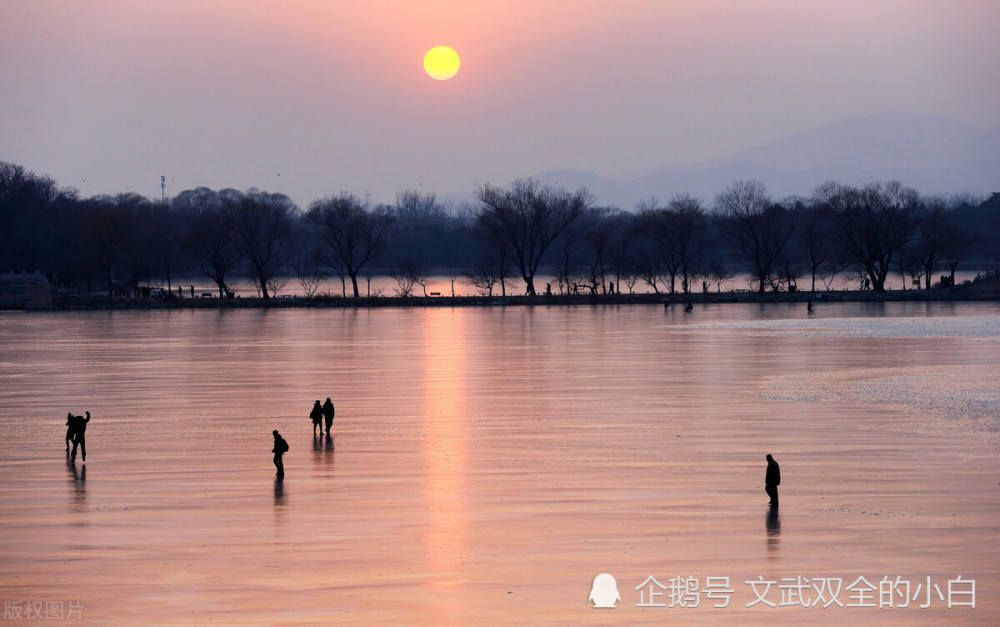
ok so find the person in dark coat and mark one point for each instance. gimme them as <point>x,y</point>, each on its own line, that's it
<point>772,480</point>
<point>328,413</point>
<point>280,448</point>
<point>70,430</point>
<point>80,436</point>
<point>317,417</point>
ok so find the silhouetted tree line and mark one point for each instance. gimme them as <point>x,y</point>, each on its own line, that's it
<point>502,240</point>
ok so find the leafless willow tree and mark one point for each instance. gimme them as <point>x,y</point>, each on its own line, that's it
<point>529,217</point>
<point>354,236</point>
<point>495,262</point>
<point>599,238</point>
<point>208,240</point>
<point>956,246</point>
<point>815,247</point>
<point>263,226</point>
<point>124,233</point>
<point>679,236</point>
<point>756,229</point>
<point>932,235</point>
<point>622,248</point>
<point>870,225</point>
<point>940,239</point>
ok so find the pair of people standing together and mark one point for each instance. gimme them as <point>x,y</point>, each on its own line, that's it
<point>321,413</point>
<point>76,433</point>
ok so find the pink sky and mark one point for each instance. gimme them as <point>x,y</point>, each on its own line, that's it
<point>312,97</point>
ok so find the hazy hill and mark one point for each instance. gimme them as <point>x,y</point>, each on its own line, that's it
<point>932,154</point>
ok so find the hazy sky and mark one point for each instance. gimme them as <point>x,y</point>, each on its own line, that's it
<point>310,97</point>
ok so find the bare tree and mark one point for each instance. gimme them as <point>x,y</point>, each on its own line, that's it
<point>106,234</point>
<point>497,259</point>
<point>688,232</point>
<point>308,270</point>
<point>407,277</point>
<point>649,268</point>
<point>656,227</point>
<point>208,240</point>
<point>529,217</point>
<point>757,230</point>
<point>122,236</point>
<point>599,236</point>
<point>263,226</point>
<point>622,247</point>
<point>484,279</point>
<point>569,243</point>
<point>870,225</point>
<point>276,283</point>
<point>678,233</point>
<point>719,273</point>
<point>815,247</point>
<point>956,245</point>
<point>354,236</point>
<point>629,277</point>
<point>910,264</point>
<point>932,232</point>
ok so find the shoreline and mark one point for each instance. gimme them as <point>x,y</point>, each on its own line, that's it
<point>72,302</point>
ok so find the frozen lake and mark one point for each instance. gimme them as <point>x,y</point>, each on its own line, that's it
<point>487,463</point>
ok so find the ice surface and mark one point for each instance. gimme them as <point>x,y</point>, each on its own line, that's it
<point>488,463</point>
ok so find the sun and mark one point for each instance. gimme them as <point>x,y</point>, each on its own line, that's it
<point>441,63</point>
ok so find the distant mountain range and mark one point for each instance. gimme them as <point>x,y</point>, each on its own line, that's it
<point>934,155</point>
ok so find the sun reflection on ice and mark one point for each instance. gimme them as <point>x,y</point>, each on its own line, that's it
<point>445,539</point>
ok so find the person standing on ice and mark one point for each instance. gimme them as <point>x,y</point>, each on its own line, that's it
<point>80,436</point>
<point>70,430</point>
<point>280,448</point>
<point>328,413</point>
<point>771,480</point>
<point>317,417</point>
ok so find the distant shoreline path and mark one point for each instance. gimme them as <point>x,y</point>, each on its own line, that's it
<point>961,293</point>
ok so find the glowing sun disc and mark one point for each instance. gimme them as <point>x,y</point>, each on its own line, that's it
<point>441,63</point>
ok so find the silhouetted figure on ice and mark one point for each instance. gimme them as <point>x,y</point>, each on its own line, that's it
<point>772,480</point>
<point>70,430</point>
<point>280,448</point>
<point>689,308</point>
<point>809,307</point>
<point>80,436</point>
<point>317,417</point>
<point>328,414</point>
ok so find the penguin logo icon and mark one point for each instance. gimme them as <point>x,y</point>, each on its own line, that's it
<point>604,591</point>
